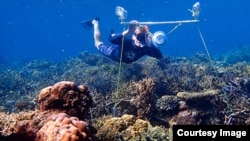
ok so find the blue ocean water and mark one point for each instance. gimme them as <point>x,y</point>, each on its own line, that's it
<point>51,30</point>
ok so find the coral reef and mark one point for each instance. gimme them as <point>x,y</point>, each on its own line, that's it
<point>58,104</point>
<point>242,53</point>
<point>129,128</point>
<point>150,92</point>
<point>22,126</point>
<point>186,117</point>
<point>145,97</point>
<point>197,95</point>
<point>63,127</point>
<point>44,126</point>
<point>167,104</point>
<point>66,95</point>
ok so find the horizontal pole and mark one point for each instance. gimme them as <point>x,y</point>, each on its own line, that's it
<point>165,22</point>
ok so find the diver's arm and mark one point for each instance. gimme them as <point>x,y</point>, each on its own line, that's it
<point>126,32</point>
<point>131,28</point>
<point>118,38</point>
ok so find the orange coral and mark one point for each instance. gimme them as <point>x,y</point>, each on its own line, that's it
<point>66,95</point>
<point>62,127</point>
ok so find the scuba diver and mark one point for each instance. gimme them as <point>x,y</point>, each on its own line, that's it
<point>132,47</point>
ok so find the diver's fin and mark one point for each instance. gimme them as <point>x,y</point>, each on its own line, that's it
<point>88,24</point>
<point>97,18</point>
<point>111,33</point>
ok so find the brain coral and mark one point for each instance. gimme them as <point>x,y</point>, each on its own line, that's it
<point>61,127</point>
<point>67,96</point>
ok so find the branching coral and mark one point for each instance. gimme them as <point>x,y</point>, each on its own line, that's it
<point>145,97</point>
<point>167,104</point>
<point>236,98</point>
<point>238,55</point>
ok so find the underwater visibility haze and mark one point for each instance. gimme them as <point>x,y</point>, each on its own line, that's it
<point>51,29</point>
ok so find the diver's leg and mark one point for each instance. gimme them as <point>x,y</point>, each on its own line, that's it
<point>97,34</point>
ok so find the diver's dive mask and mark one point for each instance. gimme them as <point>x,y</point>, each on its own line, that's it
<point>141,37</point>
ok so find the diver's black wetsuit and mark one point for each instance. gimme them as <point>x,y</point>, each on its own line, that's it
<point>130,51</point>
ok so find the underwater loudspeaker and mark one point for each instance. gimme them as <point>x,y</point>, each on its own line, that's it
<point>158,38</point>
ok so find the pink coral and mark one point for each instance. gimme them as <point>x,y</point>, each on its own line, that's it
<point>62,127</point>
<point>66,96</point>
